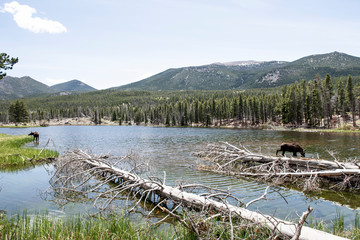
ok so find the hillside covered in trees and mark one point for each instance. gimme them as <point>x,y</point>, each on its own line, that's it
<point>316,103</point>
<point>249,74</point>
<point>14,87</point>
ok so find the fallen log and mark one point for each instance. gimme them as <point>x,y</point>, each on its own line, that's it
<point>328,173</point>
<point>231,160</point>
<point>178,195</point>
<point>247,156</point>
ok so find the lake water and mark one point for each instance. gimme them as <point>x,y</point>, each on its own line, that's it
<point>170,150</point>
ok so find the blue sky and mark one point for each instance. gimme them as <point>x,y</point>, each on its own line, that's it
<point>107,43</point>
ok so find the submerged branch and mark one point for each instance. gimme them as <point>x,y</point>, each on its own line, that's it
<point>72,179</point>
<point>309,173</point>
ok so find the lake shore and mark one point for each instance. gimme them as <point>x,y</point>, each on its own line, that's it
<point>13,154</point>
<point>87,121</point>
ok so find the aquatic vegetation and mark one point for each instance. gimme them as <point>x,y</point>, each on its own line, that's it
<point>42,226</point>
<point>339,223</point>
<point>13,154</point>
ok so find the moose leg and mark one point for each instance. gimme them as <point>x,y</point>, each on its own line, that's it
<point>294,154</point>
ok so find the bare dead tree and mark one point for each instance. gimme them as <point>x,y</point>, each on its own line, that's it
<point>308,174</point>
<point>80,175</point>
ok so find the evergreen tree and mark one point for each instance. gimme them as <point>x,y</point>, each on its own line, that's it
<point>208,120</point>
<point>288,109</point>
<point>113,117</point>
<point>18,112</point>
<point>173,120</point>
<point>307,111</point>
<point>316,104</point>
<point>167,121</point>
<point>327,95</point>
<point>241,109</point>
<point>185,116</point>
<point>6,63</point>
<point>351,98</point>
<point>234,107</point>
<point>96,121</point>
<point>145,118</point>
<point>341,98</point>
<point>196,114</point>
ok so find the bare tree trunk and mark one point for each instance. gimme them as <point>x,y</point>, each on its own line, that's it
<point>230,160</point>
<point>177,195</point>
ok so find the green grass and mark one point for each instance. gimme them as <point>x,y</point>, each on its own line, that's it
<point>13,154</point>
<point>338,226</point>
<point>111,227</point>
<point>42,226</point>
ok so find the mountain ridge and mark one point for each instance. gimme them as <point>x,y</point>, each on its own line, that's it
<point>72,86</point>
<point>216,76</point>
<point>249,74</point>
<point>21,87</point>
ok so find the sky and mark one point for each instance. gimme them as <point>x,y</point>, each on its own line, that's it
<point>109,43</point>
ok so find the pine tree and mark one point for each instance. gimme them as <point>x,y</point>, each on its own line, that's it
<point>316,104</point>
<point>208,120</point>
<point>6,63</point>
<point>241,109</point>
<point>18,112</point>
<point>167,121</point>
<point>234,108</point>
<point>307,110</point>
<point>351,98</point>
<point>196,114</point>
<point>185,116</point>
<point>145,118</point>
<point>288,110</point>
<point>341,98</point>
<point>113,117</point>
<point>327,96</point>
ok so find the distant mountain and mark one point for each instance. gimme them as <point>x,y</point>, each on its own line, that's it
<point>217,76</point>
<point>14,87</point>
<point>249,74</point>
<point>72,86</point>
<point>335,63</point>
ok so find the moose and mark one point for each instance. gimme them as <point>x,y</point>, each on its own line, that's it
<point>35,135</point>
<point>291,147</point>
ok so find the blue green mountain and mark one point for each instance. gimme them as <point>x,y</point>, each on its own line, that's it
<point>249,74</point>
<point>15,87</point>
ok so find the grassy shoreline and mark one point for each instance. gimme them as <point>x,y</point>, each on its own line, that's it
<point>119,226</point>
<point>13,154</point>
<point>42,226</point>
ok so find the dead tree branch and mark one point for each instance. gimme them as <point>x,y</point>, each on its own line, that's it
<point>75,167</point>
<point>310,173</point>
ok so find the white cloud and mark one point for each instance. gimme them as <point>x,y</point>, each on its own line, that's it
<point>23,16</point>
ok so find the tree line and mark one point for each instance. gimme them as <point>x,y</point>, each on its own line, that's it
<point>316,103</point>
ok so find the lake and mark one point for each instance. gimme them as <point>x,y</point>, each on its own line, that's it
<point>170,150</point>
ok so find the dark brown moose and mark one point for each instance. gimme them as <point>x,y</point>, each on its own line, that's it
<point>291,147</point>
<point>35,135</point>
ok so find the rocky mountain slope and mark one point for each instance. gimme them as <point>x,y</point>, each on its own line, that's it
<point>249,74</point>
<point>14,87</point>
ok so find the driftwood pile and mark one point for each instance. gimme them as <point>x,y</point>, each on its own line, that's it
<point>74,178</point>
<point>307,174</point>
